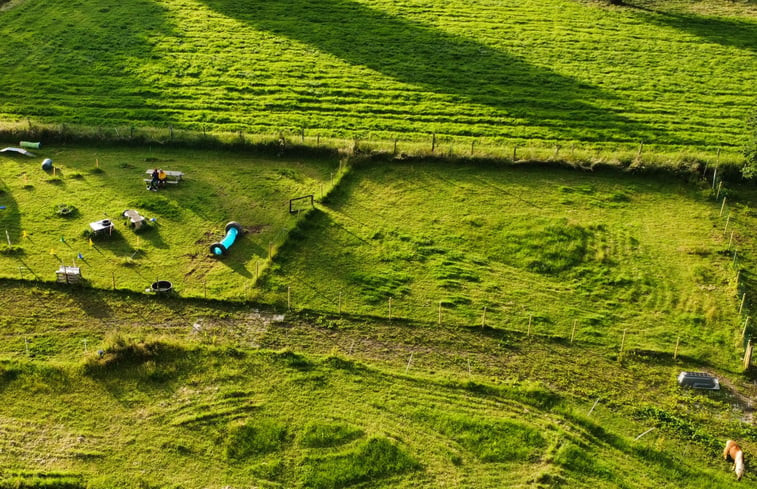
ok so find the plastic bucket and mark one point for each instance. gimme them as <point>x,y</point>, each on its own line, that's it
<point>47,164</point>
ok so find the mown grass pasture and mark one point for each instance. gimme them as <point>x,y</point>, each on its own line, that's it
<point>195,396</point>
<point>543,250</point>
<point>606,257</point>
<point>666,73</point>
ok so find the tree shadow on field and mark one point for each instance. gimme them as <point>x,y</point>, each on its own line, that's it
<point>737,33</point>
<point>82,59</point>
<point>441,62</point>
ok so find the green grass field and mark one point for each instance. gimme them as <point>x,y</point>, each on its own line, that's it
<point>522,248</point>
<point>190,394</point>
<point>669,74</point>
<point>479,319</point>
<point>606,258</point>
<point>219,187</point>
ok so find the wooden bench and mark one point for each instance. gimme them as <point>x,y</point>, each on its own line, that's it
<point>172,182</point>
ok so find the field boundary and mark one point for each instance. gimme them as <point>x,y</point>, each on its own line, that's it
<point>638,157</point>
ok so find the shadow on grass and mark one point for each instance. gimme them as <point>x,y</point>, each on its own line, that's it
<point>427,57</point>
<point>101,47</point>
<point>738,33</point>
<point>241,252</point>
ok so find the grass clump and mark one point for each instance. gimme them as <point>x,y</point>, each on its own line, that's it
<point>381,285</point>
<point>372,459</point>
<point>40,480</point>
<point>159,205</point>
<point>254,438</point>
<point>321,435</point>
<point>122,351</point>
<point>11,250</point>
<point>488,440</point>
<point>545,246</point>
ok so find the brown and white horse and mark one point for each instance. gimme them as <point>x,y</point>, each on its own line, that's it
<point>733,452</point>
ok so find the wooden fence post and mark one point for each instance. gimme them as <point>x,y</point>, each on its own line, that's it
<point>622,344</point>
<point>743,331</point>
<point>573,332</point>
<point>748,355</point>
<point>530,316</point>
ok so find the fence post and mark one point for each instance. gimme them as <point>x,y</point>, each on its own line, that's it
<point>675,352</point>
<point>573,332</point>
<point>743,298</point>
<point>748,355</point>
<point>409,361</point>
<point>722,206</point>
<point>529,325</point>
<point>622,344</point>
<point>743,331</point>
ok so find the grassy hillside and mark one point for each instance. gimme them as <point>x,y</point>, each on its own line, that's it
<point>609,257</point>
<point>194,395</point>
<point>547,251</point>
<point>663,73</point>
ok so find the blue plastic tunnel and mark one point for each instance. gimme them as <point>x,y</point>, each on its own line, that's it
<point>232,231</point>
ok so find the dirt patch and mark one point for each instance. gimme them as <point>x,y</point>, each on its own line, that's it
<point>250,229</point>
<point>742,402</point>
<point>9,4</point>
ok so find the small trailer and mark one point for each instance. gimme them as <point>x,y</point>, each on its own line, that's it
<point>698,380</point>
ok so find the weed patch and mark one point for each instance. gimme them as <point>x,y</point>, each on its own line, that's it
<point>373,459</point>
<point>322,435</point>
<point>489,440</point>
<point>254,438</point>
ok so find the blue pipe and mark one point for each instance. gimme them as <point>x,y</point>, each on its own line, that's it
<point>229,239</point>
<point>232,230</point>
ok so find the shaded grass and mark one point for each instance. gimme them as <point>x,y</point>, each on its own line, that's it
<point>668,73</point>
<point>373,459</point>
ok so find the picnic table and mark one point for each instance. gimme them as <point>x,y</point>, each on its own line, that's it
<point>172,176</point>
<point>136,220</point>
<point>101,226</point>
